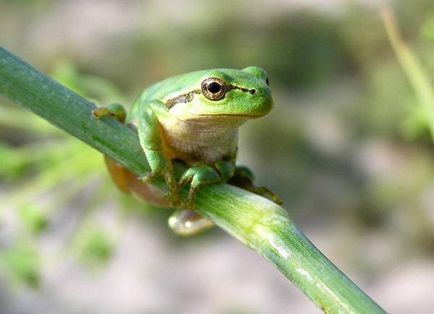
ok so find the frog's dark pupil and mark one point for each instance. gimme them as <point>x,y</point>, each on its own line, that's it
<point>214,87</point>
<point>267,81</point>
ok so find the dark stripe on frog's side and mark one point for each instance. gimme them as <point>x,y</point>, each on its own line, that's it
<point>243,89</point>
<point>187,97</point>
<point>184,98</point>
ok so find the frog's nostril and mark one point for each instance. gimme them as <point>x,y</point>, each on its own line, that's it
<point>252,91</point>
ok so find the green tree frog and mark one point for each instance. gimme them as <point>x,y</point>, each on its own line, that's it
<point>194,118</point>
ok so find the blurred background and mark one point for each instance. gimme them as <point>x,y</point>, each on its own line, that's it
<point>347,147</point>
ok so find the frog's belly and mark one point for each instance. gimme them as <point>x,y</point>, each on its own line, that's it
<point>202,147</point>
<point>207,140</point>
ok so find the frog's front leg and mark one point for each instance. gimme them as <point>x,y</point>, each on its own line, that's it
<point>198,176</point>
<point>151,141</point>
<point>203,174</point>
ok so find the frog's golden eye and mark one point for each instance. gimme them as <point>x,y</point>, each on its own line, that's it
<point>213,88</point>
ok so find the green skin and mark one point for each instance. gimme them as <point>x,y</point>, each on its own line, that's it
<point>195,117</point>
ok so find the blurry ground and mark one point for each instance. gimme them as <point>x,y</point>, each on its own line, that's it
<point>355,172</point>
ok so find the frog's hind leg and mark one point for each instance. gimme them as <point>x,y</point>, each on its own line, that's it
<point>243,178</point>
<point>125,180</point>
<point>118,173</point>
<point>129,183</point>
<point>187,222</point>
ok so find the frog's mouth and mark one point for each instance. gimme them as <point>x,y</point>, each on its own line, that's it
<point>228,115</point>
<point>206,120</point>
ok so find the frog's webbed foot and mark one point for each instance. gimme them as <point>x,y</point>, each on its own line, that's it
<point>115,110</point>
<point>243,178</point>
<point>198,176</point>
<point>187,222</point>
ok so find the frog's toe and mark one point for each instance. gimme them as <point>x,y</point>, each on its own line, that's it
<point>172,193</point>
<point>151,176</point>
<point>198,177</point>
<point>243,178</point>
<point>100,112</point>
<point>244,173</point>
<point>186,178</point>
<point>187,222</point>
<point>191,197</point>
<point>173,198</point>
<point>115,110</point>
<point>263,191</point>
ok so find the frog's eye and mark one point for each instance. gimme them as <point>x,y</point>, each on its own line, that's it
<point>213,88</point>
<point>267,81</point>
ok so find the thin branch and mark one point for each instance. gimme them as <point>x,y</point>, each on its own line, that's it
<point>255,221</point>
<point>415,72</point>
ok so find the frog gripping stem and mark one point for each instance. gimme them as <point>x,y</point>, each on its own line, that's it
<point>254,220</point>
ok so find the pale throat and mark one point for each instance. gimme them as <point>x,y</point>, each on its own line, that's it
<point>207,140</point>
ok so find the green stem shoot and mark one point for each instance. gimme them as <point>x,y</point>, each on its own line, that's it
<point>255,221</point>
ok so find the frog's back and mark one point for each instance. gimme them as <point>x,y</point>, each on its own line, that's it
<point>172,86</point>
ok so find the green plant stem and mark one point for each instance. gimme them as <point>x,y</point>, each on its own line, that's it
<point>256,221</point>
<point>415,72</point>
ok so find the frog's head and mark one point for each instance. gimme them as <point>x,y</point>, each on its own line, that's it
<point>225,93</point>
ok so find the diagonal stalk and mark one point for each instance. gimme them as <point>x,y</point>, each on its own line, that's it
<point>255,221</point>
<point>414,70</point>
